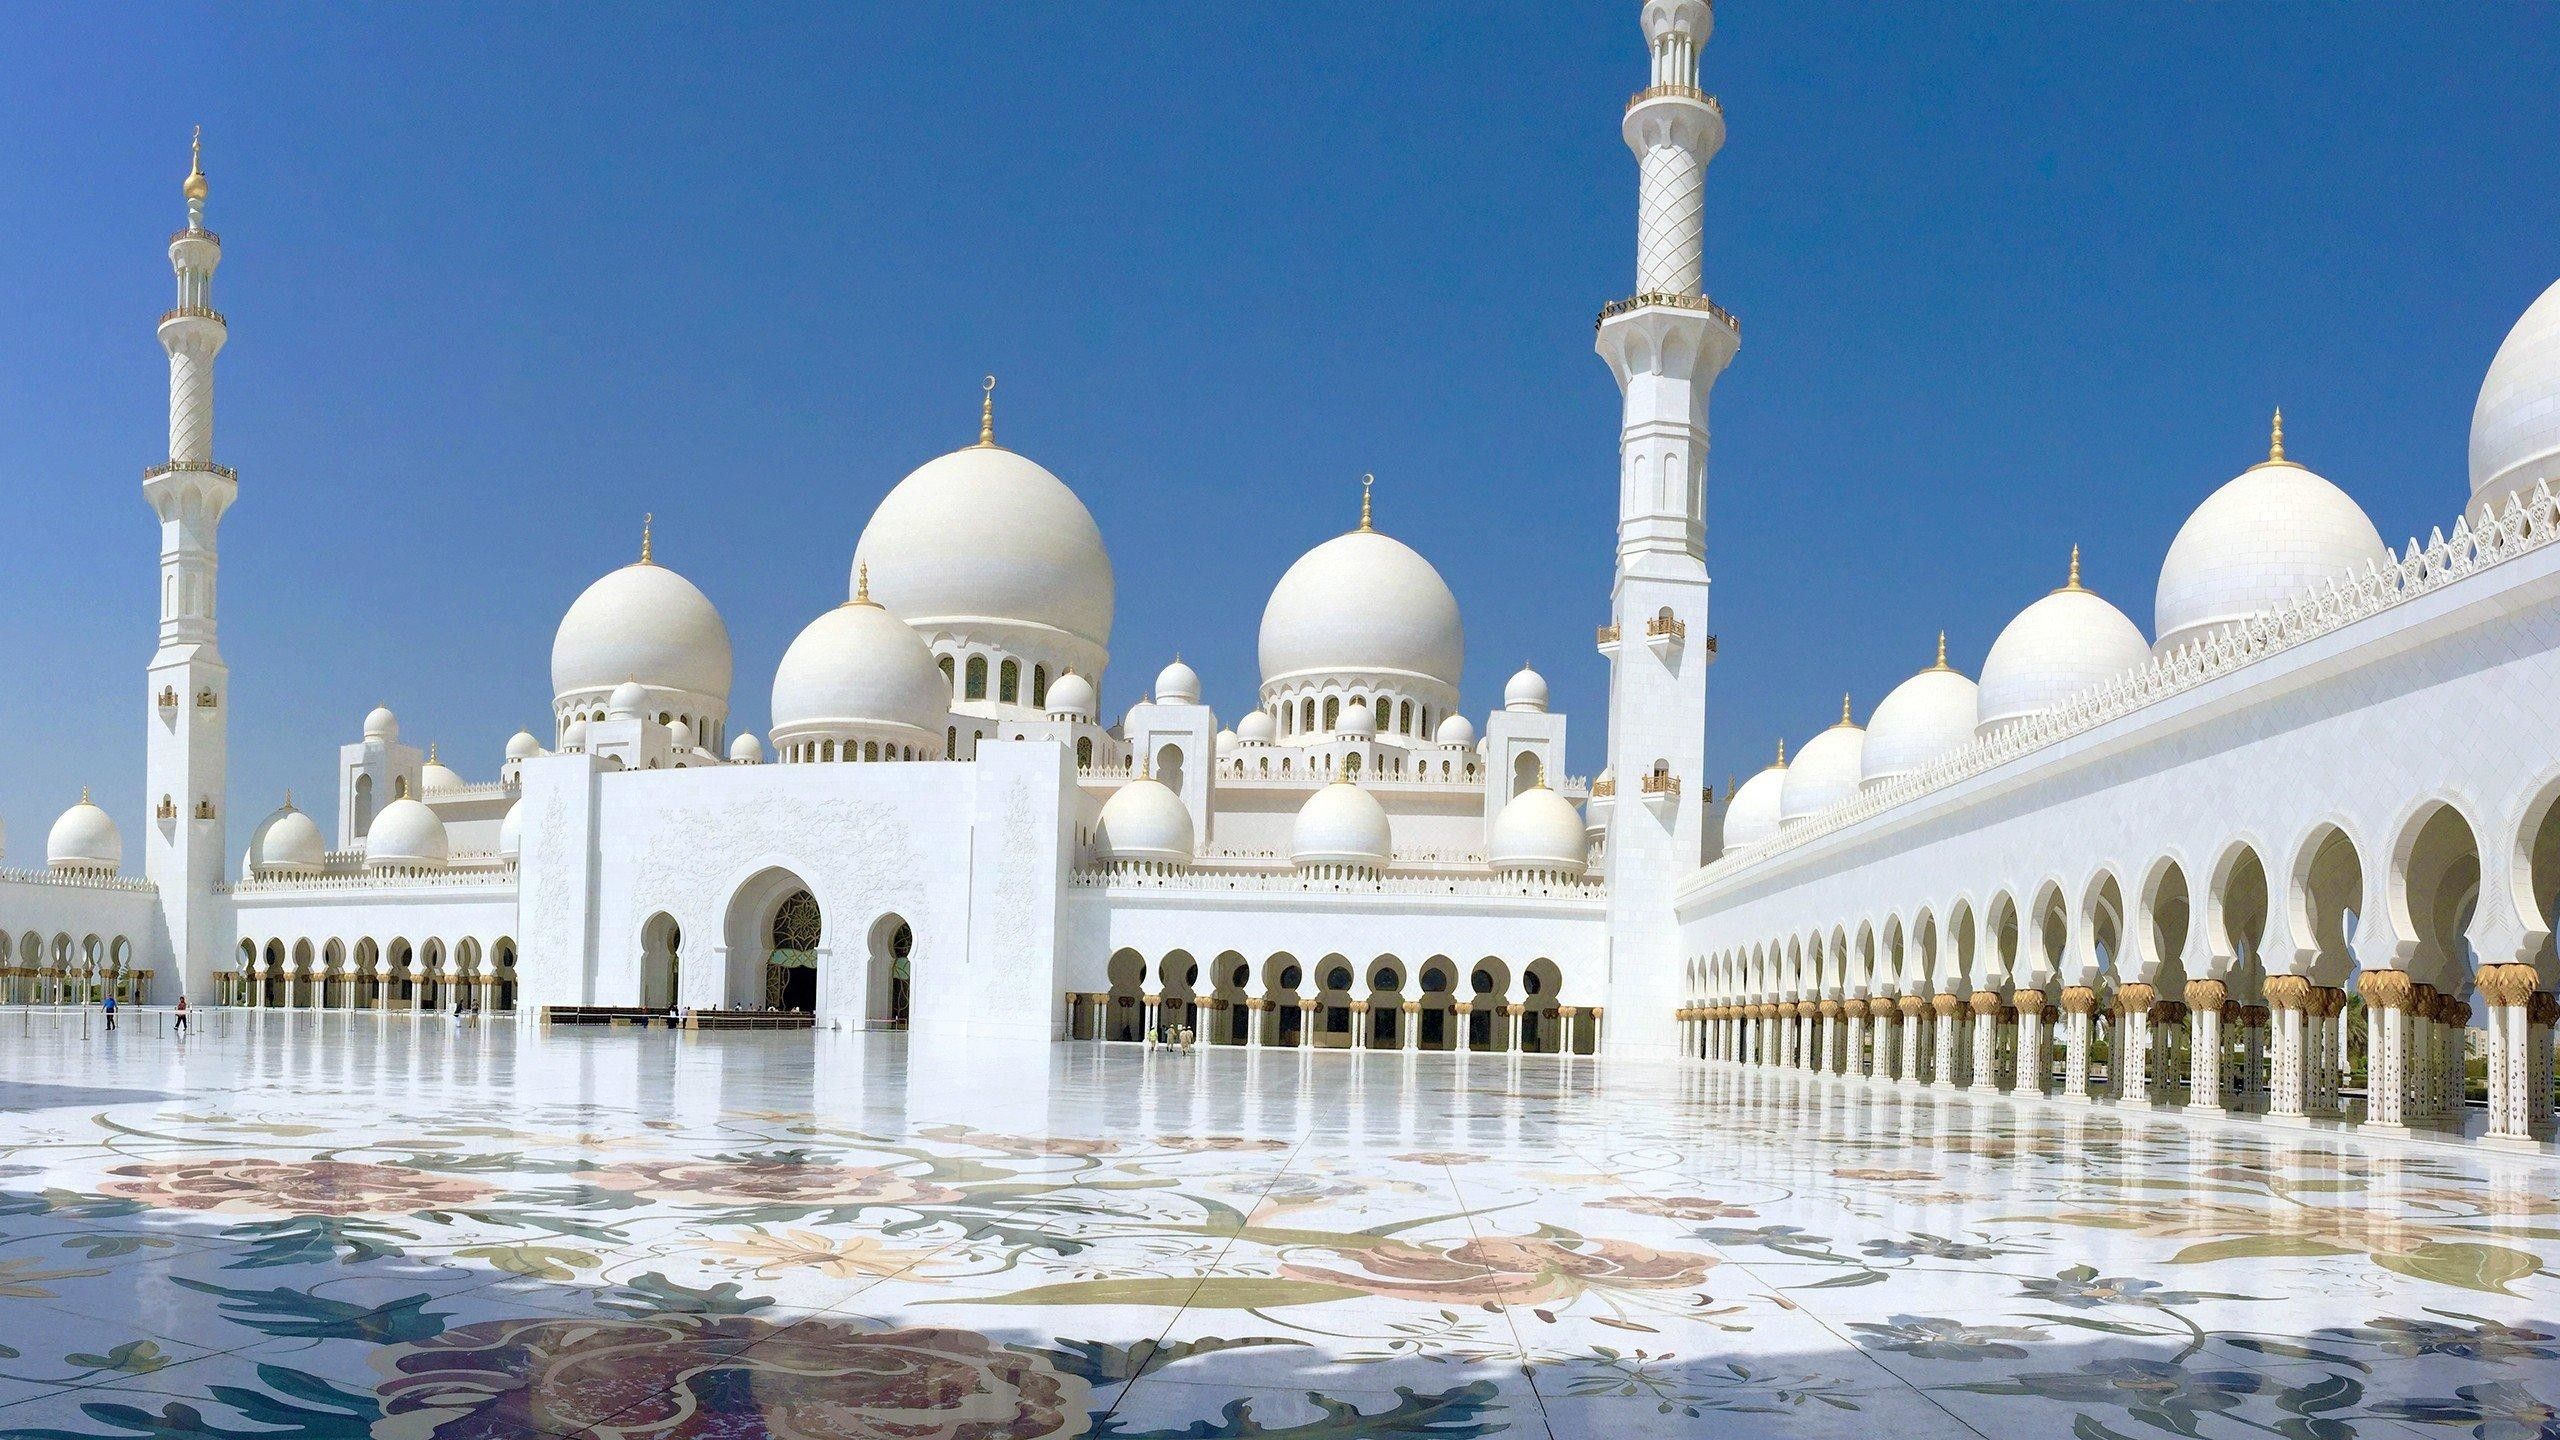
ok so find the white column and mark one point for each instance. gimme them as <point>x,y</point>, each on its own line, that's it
<point>2386,992</point>
<point>1986,1048</point>
<point>2078,1005</point>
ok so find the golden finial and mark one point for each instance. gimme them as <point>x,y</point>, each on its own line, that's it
<point>1782,752</point>
<point>195,187</point>
<point>646,521</point>
<point>84,794</point>
<point>2275,443</point>
<point>1844,707</point>
<point>1942,650</point>
<point>400,788</point>
<point>2074,582</point>
<point>1365,482</point>
<point>987,415</point>
<point>288,797</point>
<point>862,582</point>
<point>431,752</point>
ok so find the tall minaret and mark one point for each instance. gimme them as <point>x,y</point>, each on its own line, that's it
<point>190,690</point>
<point>1666,344</point>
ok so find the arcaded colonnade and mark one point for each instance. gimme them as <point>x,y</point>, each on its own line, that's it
<point>368,973</point>
<point>1334,1002</point>
<point>2327,836</point>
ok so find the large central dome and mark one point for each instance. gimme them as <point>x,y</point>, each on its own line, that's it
<point>1363,604</point>
<point>983,535</point>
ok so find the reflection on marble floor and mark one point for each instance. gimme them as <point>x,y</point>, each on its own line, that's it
<point>342,1226</point>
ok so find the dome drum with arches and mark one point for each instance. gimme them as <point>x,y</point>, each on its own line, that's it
<point>646,626</point>
<point>1361,618</point>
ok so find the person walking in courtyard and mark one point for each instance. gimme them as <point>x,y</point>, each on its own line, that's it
<point>111,1010</point>
<point>182,1015</point>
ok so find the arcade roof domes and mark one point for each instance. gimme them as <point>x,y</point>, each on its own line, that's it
<point>856,666</point>
<point>405,835</point>
<point>1930,715</point>
<point>2267,537</point>
<point>1826,771</point>
<point>84,841</point>
<point>1539,831</point>
<point>2054,649</point>
<point>1145,821</point>
<point>2515,425</point>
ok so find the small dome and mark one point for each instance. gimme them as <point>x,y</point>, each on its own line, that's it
<point>1145,821</point>
<point>642,623</point>
<point>680,736</point>
<point>2515,426</point>
<point>1226,741</point>
<point>859,665</point>
<point>1363,604</point>
<point>1526,690</point>
<point>437,778</point>
<point>382,725</point>
<point>2054,649</point>
<point>574,737</point>
<point>1752,815</point>
<point>1341,824</point>
<point>1538,831</point>
<point>2272,535</point>
<point>287,843</point>
<point>406,835</point>
<point>1356,720</point>
<point>1177,684</point>
<point>1826,772</point>
<point>984,534</point>
<point>1456,730</point>
<point>523,746</point>
<point>1927,717</point>
<point>629,701</point>
<point>511,832</point>
<point>1072,694</point>
<point>746,750</point>
<point>84,841</point>
<point>1257,728</point>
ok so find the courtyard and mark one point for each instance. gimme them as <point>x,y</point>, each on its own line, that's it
<point>362,1225</point>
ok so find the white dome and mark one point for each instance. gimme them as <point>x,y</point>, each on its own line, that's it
<point>644,623</point>
<point>406,835</point>
<point>1226,741</point>
<point>680,735</point>
<point>523,746</point>
<point>1526,690</point>
<point>1072,694</point>
<point>1341,824</point>
<point>1539,831</point>
<point>1826,771</point>
<point>84,840</point>
<point>437,778</point>
<point>287,843</point>
<point>2270,536</point>
<point>1257,728</point>
<point>1357,719</point>
<point>629,701</point>
<point>1363,603</point>
<point>746,750</point>
<point>858,665</point>
<point>1751,815</point>
<point>1930,715</point>
<point>1145,821</point>
<point>1177,684</point>
<point>2053,650</point>
<point>984,534</point>
<point>1456,730</point>
<point>382,725</point>
<point>574,737</point>
<point>2515,426</point>
<point>511,832</point>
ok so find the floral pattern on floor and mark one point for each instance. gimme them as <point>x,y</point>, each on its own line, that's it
<point>325,1227</point>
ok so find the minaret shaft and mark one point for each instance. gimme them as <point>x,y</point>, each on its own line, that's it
<point>1666,345</point>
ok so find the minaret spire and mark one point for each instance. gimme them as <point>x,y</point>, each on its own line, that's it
<point>987,416</point>
<point>1366,481</point>
<point>646,521</point>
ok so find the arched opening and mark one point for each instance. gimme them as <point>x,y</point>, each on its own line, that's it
<point>1009,682</point>
<point>976,688</point>
<point>1386,1003</point>
<point>1230,975</point>
<point>1525,772</point>
<point>2329,888</point>
<point>1169,767</point>
<point>1283,981</point>
<point>777,939</point>
<point>889,977</point>
<point>1436,1030</point>
<point>503,956</point>
<point>1039,687</point>
<point>1124,1017</point>
<point>402,993</point>
<point>1489,993</point>
<point>1335,977</point>
<point>363,806</point>
<point>1543,1028</point>
<point>1178,992</point>
<point>791,958</point>
<point>950,678</point>
<point>661,962</point>
<point>333,963</point>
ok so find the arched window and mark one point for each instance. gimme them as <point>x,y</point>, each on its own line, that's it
<point>1332,713</point>
<point>1307,714</point>
<point>948,677</point>
<point>1039,687</point>
<point>977,678</point>
<point>1009,682</point>
<point>1404,717</point>
<point>1084,752</point>
<point>951,742</point>
<point>870,749</point>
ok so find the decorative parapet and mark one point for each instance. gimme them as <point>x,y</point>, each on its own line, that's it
<point>494,881</point>
<point>1670,301</point>
<point>1294,884</point>
<point>2525,525</point>
<point>194,312</point>
<point>201,467</point>
<point>76,880</point>
<point>1660,784</point>
<point>1675,92</point>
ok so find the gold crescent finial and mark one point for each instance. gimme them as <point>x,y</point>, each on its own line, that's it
<point>862,582</point>
<point>646,521</point>
<point>987,415</point>
<point>1365,482</point>
<point>195,186</point>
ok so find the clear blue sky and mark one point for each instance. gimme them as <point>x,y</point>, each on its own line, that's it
<point>502,278</point>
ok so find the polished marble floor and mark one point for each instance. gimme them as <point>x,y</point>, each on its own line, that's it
<point>354,1226</point>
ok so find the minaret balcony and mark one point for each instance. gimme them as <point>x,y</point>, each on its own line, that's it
<point>195,312</point>
<point>200,467</point>
<point>194,233</point>
<point>1666,300</point>
<point>1674,92</point>
<point>1665,633</point>
<point>1607,639</point>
